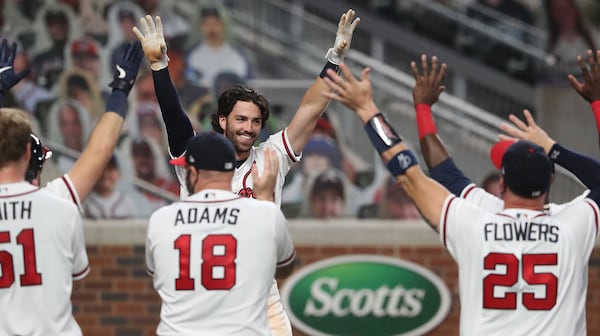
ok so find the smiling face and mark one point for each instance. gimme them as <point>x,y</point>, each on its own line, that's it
<point>242,127</point>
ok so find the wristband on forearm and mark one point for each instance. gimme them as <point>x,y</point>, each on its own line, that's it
<point>425,123</point>
<point>328,66</point>
<point>381,133</point>
<point>596,108</point>
<point>401,162</point>
<point>117,103</point>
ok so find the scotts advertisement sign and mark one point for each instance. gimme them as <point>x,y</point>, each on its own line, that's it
<point>365,295</point>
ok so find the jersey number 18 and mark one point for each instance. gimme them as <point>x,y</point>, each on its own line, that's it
<point>224,259</point>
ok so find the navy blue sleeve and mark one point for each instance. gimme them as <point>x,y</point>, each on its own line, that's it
<point>178,125</point>
<point>585,168</point>
<point>448,175</point>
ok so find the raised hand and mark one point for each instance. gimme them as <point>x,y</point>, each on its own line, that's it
<point>355,94</point>
<point>526,131</point>
<point>8,77</point>
<point>428,86</point>
<point>590,88</point>
<point>343,37</point>
<point>127,68</point>
<point>153,42</point>
<point>264,185</point>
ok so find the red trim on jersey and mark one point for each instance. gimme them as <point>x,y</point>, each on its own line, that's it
<point>505,215</point>
<point>246,176</point>
<point>71,191</point>
<point>287,260</point>
<point>595,214</point>
<point>539,215</point>
<point>467,190</point>
<point>445,218</point>
<point>82,272</point>
<point>288,148</point>
<point>21,194</point>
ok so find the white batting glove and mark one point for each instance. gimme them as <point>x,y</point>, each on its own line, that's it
<point>153,42</point>
<point>343,37</point>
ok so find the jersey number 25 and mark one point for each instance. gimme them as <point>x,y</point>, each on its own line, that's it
<point>218,253</point>
<point>511,277</point>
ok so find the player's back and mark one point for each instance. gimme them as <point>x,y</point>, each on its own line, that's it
<point>213,257</point>
<point>524,270</point>
<point>41,252</point>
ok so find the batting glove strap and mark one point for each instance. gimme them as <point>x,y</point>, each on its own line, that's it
<point>333,57</point>
<point>401,162</point>
<point>328,66</point>
<point>381,133</point>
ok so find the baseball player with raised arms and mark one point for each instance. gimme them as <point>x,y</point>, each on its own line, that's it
<point>79,181</point>
<point>242,112</point>
<point>42,248</point>
<point>441,166</point>
<point>213,254</point>
<point>521,269</point>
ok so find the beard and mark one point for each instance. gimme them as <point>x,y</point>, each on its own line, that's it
<point>239,146</point>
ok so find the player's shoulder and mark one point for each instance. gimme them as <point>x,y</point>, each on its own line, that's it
<point>55,201</point>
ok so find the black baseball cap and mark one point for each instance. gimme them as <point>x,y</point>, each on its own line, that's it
<point>208,151</point>
<point>527,169</point>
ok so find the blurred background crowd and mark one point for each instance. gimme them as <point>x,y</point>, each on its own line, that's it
<point>71,46</point>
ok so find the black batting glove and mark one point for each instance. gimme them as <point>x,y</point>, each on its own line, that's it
<point>8,77</point>
<point>127,68</point>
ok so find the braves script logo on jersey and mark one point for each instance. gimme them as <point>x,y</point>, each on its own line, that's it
<point>247,192</point>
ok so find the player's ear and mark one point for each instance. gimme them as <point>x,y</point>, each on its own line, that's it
<point>223,121</point>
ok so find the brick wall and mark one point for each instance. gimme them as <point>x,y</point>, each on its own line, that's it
<point>117,297</point>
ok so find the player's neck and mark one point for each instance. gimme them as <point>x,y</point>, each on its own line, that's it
<point>513,201</point>
<point>12,173</point>
<point>213,180</point>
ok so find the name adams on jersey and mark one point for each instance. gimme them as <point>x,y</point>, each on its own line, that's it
<point>207,216</point>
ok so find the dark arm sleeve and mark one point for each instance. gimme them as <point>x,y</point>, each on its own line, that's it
<point>178,125</point>
<point>585,168</point>
<point>448,175</point>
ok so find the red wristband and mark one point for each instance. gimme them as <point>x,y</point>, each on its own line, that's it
<point>425,123</point>
<point>596,109</point>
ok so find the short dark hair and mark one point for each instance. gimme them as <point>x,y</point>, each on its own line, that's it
<point>239,93</point>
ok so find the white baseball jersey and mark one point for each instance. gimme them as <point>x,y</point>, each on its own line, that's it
<point>213,257</point>
<point>63,188</point>
<point>242,178</point>
<point>521,271</point>
<point>42,250</point>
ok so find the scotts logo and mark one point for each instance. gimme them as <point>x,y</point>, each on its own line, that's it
<point>365,295</point>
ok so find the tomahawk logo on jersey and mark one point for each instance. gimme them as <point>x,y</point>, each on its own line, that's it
<point>242,178</point>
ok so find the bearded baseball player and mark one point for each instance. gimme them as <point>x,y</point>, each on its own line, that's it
<point>42,249</point>
<point>213,255</point>
<point>521,270</point>
<point>242,112</point>
<point>79,181</point>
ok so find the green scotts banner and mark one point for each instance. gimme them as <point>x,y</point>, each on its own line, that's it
<point>365,295</point>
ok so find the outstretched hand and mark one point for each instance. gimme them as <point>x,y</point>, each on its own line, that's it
<point>343,37</point>
<point>153,42</point>
<point>529,131</point>
<point>428,86</point>
<point>8,77</point>
<point>355,94</point>
<point>264,185</point>
<point>590,88</point>
<point>127,68</point>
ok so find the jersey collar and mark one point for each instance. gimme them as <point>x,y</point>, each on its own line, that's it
<point>212,195</point>
<point>14,189</point>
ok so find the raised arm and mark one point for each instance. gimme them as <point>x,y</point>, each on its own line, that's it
<point>178,125</point>
<point>313,103</point>
<point>426,93</point>
<point>428,195</point>
<point>590,88</point>
<point>585,168</point>
<point>87,169</point>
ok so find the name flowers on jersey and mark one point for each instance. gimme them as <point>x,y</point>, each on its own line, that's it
<point>520,231</point>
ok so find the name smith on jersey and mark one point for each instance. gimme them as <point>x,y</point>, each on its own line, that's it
<point>15,210</point>
<point>207,216</point>
<point>521,231</point>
